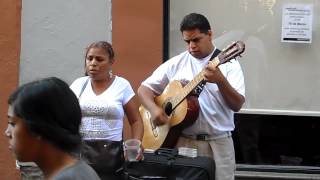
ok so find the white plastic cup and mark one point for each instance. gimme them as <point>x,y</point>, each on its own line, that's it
<point>132,149</point>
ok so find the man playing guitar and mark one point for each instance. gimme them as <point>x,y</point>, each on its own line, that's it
<point>221,96</point>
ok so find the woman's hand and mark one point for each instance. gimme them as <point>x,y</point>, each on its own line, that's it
<point>140,156</point>
<point>133,147</point>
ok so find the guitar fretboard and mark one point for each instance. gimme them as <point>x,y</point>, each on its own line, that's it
<point>225,55</point>
<point>187,89</point>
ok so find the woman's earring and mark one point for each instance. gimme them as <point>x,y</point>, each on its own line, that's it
<point>110,73</point>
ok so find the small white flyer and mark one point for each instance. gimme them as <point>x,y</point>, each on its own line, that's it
<point>297,23</point>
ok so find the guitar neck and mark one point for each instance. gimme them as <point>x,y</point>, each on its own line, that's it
<point>187,89</point>
<point>232,51</point>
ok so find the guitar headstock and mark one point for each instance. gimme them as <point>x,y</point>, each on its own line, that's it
<point>232,51</point>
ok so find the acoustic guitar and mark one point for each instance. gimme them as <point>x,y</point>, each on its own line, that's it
<point>180,104</point>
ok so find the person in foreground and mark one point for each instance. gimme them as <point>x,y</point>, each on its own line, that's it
<point>222,95</point>
<point>44,117</point>
<point>105,99</point>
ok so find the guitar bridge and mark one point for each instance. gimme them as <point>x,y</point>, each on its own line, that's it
<point>154,128</point>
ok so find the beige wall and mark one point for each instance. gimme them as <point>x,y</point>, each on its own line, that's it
<point>54,35</point>
<point>10,11</point>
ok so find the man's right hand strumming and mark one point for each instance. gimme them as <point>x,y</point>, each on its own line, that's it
<point>158,116</point>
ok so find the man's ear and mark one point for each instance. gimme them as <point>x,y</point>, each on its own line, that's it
<point>210,33</point>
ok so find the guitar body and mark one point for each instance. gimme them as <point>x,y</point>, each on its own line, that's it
<point>181,117</point>
<point>191,116</point>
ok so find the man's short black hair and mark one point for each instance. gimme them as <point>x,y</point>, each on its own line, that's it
<point>195,21</point>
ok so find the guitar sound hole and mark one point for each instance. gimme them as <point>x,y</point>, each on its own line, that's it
<point>168,108</point>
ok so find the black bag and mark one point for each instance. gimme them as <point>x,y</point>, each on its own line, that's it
<point>166,164</point>
<point>103,156</point>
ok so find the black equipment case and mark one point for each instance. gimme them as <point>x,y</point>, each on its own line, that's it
<point>166,164</point>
